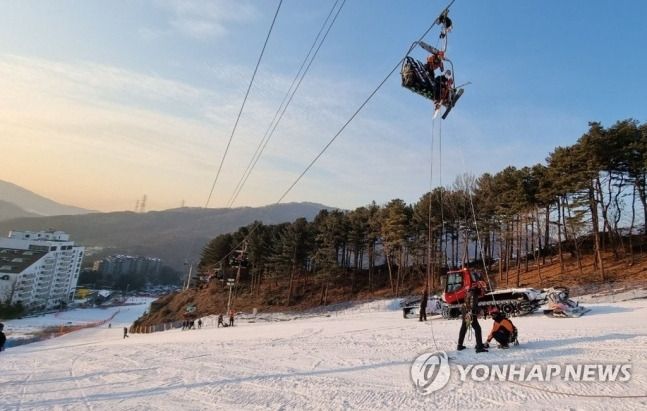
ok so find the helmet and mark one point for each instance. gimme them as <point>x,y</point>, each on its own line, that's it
<point>441,54</point>
<point>448,73</point>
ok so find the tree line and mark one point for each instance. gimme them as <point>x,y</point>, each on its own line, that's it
<point>589,198</point>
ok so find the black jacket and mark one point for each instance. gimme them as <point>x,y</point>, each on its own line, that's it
<point>423,301</point>
<point>471,303</point>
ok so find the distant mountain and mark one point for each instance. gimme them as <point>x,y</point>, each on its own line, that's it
<point>14,199</point>
<point>172,235</point>
<point>10,210</point>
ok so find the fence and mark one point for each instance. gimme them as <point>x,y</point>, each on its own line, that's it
<point>344,308</point>
<point>64,329</point>
<point>147,329</point>
<point>591,293</point>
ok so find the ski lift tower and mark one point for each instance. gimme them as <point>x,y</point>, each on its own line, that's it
<point>230,283</point>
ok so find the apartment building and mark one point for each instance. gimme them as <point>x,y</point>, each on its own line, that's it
<point>41,269</point>
<point>116,265</point>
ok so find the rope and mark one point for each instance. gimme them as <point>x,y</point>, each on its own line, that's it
<point>431,173</point>
<point>472,209</point>
<point>430,231</point>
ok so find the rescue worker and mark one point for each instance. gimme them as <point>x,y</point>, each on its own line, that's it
<point>502,329</point>
<point>435,61</point>
<point>447,24</point>
<point>469,313</point>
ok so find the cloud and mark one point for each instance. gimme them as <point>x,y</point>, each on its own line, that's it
<point>202,19</point>
<point>132,134</point>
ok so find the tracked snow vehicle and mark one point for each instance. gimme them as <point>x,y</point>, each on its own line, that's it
<point>511,301</point>
<point>561,306</point>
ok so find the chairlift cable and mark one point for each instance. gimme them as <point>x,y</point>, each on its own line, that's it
<point>352,117</point>
<point>240,112</point>
<point>227,257</point>
<point>192,243</point>
<point>288,97</point>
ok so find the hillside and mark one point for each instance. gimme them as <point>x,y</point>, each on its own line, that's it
<point>19,202</point>
<point>172,235</point>
<point>272,296</point>
<point>10,211</point>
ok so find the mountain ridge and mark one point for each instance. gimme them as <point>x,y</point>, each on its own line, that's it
<point>15,198</point>
<point>174,235</point>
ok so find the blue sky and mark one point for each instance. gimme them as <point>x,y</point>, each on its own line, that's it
<point>104,102</point>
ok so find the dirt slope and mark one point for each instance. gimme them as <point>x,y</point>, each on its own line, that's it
<point>213,298</point>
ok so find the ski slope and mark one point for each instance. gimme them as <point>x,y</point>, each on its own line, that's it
<point>359,358</point>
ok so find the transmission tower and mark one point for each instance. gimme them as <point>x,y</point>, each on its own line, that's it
<point>142,207</point>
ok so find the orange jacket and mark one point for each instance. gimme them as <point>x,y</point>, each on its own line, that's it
<point>505,323</point>
<point>434,62</point>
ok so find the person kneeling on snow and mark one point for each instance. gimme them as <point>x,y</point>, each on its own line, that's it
<point>503,331</point>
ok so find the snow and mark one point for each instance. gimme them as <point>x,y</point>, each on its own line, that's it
<point>356,358</point>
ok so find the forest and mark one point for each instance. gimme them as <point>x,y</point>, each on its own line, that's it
<point>588,199</point>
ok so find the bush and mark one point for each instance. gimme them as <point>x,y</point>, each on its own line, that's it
<point>9,311</point>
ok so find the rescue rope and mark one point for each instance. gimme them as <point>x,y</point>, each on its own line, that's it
<point>470,195</point>
<point>429,227</point>
<point>431,173</point>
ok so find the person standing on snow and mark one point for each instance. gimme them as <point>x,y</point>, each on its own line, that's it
<point>126,332</point>
<point>423,306</point>
<point>3,338</point>
<point>470,311</point>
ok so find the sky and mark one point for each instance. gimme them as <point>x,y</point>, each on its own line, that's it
<point>359,358</point>
<point>105,102</point>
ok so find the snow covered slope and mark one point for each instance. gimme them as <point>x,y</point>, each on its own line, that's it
<point>354,359</point>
